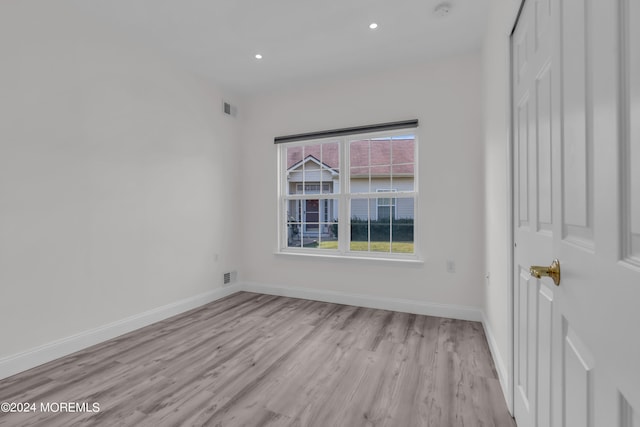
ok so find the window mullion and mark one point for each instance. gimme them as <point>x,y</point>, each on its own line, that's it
<point>344,230</point>
<point>281,228</point>
<point>311,196</point>
<point>390,229</point>
<point>391,163</point>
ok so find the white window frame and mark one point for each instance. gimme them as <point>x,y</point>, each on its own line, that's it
<point>343,197</point>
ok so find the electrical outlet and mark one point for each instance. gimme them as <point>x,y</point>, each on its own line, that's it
<point>451,266</point>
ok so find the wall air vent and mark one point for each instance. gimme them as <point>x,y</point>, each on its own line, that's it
<point>229,109</point>
<point>229,278</point>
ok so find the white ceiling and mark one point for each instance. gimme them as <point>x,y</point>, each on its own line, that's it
<point>301,40</point>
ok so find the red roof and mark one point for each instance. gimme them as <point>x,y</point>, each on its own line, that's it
<point>380,156</point>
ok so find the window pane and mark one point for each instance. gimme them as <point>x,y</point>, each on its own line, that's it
<point>382,163</point>
<point>386,212</point>
<point>381,152</point>
<point>380,178</point>
<point>360,166</point>
<point>294,156</point>
<point>359,153</point>
<point>386,206</point>
<point>403,177</point>
<point>403,164</point>
<point>359,239</point>
<point>328,238</point>
<point>312,223</point>
<point>330,158</point>
<point>293,234</point>
<point>382,228</point>
<point>403,150</point>
<point>402,234</point>
<point>313,168</point>
<point>359,180</point>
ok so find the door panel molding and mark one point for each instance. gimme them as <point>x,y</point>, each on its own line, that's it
<point>630,127</point>
<point>544,101</point>
<point>577,146</point>
<point>545,350</point>
<point>628,417</point>
<point>523,156</point>
<point>577,380</point>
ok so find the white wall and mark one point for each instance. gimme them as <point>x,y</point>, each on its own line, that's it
<point>446,97</point>
<point>117,178</point>
<point>496,142</point>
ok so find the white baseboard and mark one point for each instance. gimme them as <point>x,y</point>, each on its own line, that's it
<point>393,304</point>
<point>501,368</point>
<point>16,363</point>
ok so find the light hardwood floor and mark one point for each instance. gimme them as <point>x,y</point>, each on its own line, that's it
<point>259,360</point>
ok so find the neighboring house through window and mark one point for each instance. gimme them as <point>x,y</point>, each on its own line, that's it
<point>352,195</point>
<point>386,205</point>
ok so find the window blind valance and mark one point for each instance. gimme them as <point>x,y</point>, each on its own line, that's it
<point>405,124</point>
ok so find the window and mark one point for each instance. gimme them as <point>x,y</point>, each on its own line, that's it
<point>353,195</point>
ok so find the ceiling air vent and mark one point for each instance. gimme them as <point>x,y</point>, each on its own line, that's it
<point>442,10</point>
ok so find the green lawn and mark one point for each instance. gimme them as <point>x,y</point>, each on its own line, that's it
<point>398,247</point>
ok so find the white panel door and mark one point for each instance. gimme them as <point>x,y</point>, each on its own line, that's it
<point>576,173</point>
<point>535,77</point>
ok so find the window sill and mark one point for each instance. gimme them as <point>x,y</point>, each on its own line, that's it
<point>414,261</point>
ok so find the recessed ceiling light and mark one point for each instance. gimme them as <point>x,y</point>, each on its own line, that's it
<point>373,25</point>
<point>258,56</point>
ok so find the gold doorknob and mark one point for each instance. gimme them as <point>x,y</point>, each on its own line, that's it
<point>552,271</point>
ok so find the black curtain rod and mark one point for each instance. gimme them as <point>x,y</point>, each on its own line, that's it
<point>347,131</point>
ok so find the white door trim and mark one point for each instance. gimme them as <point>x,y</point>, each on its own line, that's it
<point>510,27</point>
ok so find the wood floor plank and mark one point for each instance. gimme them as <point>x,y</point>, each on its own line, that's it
<point>262,360</point>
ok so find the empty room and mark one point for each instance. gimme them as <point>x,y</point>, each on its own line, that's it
<point>288,213</point>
